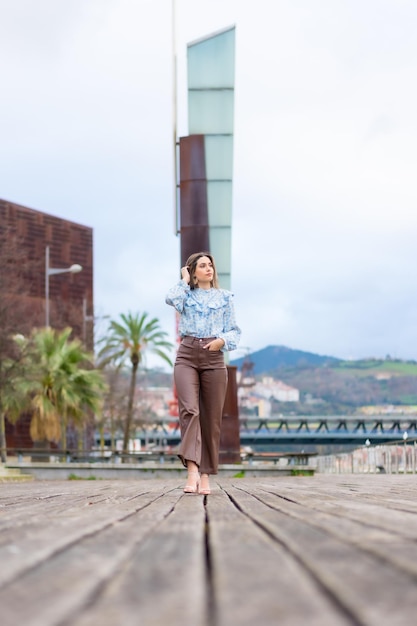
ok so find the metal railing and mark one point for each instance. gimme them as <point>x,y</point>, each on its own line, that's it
<point>36,455</point>
<point>304,430</point>
<point>399,458</point>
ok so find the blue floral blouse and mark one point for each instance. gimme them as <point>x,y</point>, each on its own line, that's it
<point>205,313</point>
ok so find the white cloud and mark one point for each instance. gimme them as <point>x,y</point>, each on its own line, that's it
<point>325,160</point>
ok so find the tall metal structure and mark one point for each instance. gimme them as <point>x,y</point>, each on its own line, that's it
<point>204,221</point>
<point>206,154</point>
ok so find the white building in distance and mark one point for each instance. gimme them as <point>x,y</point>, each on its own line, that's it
<point>261,395</point>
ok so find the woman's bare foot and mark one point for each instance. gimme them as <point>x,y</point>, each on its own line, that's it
<point>204,488</point>
<point>193,478</point>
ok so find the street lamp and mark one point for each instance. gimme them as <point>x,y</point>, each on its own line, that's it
<point>90,318</point>
<point>50,271</point>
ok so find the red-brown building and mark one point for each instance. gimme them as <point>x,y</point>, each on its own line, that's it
<point>26,233</point>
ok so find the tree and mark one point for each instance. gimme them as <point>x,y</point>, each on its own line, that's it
<point>128,341</point>
<point>12,398</point>
<point>58,383</point>
<point>114,406</point>
<point>17,314</point>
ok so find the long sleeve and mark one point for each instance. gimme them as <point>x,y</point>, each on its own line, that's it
<point>177,295</point>
<point>231,333</point>
<point>205,313</point>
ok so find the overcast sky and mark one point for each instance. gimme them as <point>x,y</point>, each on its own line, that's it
<point>325,154</point>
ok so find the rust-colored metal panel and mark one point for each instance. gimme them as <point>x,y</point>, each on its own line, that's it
<point>194,204</point>
<point>230,434</point>
<point>194,224</point>
<point>192,158</point>
<point>195,239</point>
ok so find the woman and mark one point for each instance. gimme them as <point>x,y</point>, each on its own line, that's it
<point>207,328</point>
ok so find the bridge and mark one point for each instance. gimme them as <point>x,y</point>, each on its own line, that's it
<point>311,430</point>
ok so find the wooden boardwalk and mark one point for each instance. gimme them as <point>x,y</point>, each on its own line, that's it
<point>316,551</point>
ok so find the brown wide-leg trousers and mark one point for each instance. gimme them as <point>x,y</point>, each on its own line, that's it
<point>200,379</point>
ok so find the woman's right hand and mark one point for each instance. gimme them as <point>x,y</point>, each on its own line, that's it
<point>185,274</point>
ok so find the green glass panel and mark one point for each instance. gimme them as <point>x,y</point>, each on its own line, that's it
<point>210,112</point>
<point>211,61</point>
<point>220,247</point>
<point>219,195</point>
<point>219,157</point>
<point>224,281</point>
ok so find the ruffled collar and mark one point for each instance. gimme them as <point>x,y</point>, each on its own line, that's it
<point>211,298</point>
<point>203,292</point>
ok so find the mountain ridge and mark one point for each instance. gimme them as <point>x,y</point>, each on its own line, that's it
<point>274,357</point>
<point>334,385</point>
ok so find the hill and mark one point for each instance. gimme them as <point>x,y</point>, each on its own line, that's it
<point>275,357</point>
<point>331,385</point>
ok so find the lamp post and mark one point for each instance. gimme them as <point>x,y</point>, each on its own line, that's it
<point>90,318</point>
<point>51,271</point>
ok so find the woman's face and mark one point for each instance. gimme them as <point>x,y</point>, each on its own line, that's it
<point>204,271</point>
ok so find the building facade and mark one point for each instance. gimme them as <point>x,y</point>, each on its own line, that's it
<point>25,235</point>
<point>70,295</point>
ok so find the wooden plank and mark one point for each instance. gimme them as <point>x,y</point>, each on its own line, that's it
<point>395,515</point>
<point>164,579</point>
<point>390,491</point>
<point>391,546</point>
<point>56,516</point>
<point>256,580</point>
<point>59,586</point>
<point>323,551</point>
<point>370,590</point>
<point>342,527</point>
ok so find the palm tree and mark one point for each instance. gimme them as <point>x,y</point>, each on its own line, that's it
<point>128,340</point>
<point>12,398</point>
<point>59,383</point>
<point>12,401</point>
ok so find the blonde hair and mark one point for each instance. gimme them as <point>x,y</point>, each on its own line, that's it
<point>191,263</point>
